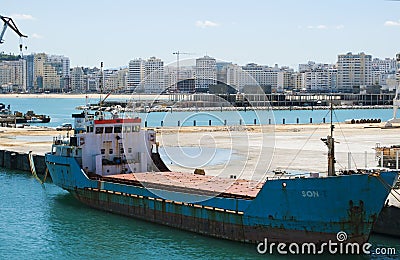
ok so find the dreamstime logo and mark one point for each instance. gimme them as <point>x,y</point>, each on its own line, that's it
<point>340,247</point>
<point>204,132</point>
<point>341,236</point>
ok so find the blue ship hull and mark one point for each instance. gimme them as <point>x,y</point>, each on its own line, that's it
<point>285,210</point>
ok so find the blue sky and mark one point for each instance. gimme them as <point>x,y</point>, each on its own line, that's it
<point>265,32</point>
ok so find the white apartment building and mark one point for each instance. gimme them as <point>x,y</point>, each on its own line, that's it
<point>136,73</point>
<point>316,80</point>
<point>312,65</point>
<point>205,73</point>
<point>110,78</point>
<point>237,78</point>
<point>387,65</point>
<point>77,79</point>
<point>146,75</point>
<point>382,70</point>
<point>154,80</point>
<point>13,75</point>
<point>354,70</point>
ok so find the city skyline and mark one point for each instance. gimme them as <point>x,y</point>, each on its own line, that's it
<point>268,32</point>
<point>352,73</point>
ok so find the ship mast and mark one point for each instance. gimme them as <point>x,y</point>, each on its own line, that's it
<point>330,143</point>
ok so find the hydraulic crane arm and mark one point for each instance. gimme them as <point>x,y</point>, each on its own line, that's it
<point>8,22</point>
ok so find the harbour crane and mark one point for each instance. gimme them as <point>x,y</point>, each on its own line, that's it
<point>8,22</point>
<point>177,53</point>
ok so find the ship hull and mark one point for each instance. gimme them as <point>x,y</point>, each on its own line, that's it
<point>284,210</point>
<point>232,228</point>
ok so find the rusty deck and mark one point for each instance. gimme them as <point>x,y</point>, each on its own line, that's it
<point>193,183</point>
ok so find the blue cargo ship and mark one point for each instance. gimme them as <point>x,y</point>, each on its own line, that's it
<point>113,164</point>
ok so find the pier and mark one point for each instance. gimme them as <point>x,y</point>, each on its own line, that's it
<point>20,161</point>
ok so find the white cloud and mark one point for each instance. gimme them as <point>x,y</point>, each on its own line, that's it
<point>205,24</point>
<point>36,36</point>
<point>324,27</point>
<point>392,23</point>
<point>318,27</point>
<point>22,17</point>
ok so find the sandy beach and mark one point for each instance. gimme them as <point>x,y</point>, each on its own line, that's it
<point>90,96</point>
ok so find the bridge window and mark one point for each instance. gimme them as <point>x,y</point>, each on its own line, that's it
<point>109,129</point>
<point>110,151</point>
<point>117,129</point>
<point>103,151</point>
<point>121,150</point>
<point>99,130</point>
<point>127,129</point>
<point>136,128</point>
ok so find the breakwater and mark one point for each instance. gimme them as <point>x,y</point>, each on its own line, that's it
<point>20,161</point>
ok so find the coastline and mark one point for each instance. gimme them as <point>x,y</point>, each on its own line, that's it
<point>77,96</point>
<point>154,97</point>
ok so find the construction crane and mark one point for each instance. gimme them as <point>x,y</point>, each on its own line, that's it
<point>177,53</point>
<point>8,22</point>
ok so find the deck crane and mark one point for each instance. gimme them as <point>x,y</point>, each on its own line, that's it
<point>8,22</point>
<point>177,53</point>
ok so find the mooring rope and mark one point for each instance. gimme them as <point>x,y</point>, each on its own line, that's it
<point>33,169</point>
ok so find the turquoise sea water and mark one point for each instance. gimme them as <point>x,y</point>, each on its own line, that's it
<point>48,223</point>
<point>60,110</point>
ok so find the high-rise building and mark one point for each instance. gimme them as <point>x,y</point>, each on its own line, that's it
<point>154,78</point>
<point>110,80</point>
<point>62,62</point>
<point>51,72</point>
<point>38,65</point>
<point>13,75</point>
<point>61,65</point>
<point>122,80</point>
<point>29,71</point>
<point>382,70</point>
<point>135,73</point>
<point>77,80</point>
<point>285,80</point>
<point>353,70</point>
<point>51,78</point>
<point>205,73</point>
<point>316,80</point>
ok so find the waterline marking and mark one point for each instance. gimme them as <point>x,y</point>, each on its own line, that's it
<point>331,247</point>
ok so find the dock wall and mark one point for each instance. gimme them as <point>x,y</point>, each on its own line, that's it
<point>388,222</point>
<point>20,161</point>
